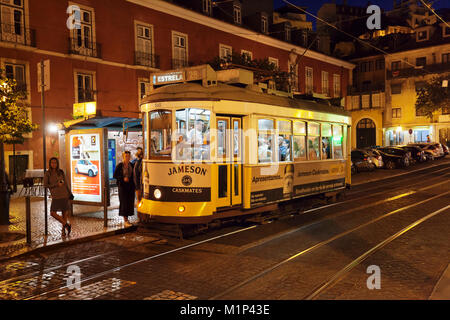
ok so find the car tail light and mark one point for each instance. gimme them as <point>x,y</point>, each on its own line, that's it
<point>365,159</point>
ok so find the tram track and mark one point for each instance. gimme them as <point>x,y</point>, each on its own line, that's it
<point>119,268</point>
<point>19,278</point>
<point>342,272</point>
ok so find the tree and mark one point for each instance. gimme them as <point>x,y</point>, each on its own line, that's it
<point>14,123</point>
<point>263,69</point>
<point>433,96</point>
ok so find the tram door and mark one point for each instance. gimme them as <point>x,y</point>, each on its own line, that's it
<point>229,158</point>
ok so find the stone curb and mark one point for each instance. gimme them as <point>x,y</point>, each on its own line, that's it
<point>58,245</point>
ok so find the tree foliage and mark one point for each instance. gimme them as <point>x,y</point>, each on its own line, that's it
<point>433,97</point>
<point>14,122</point>
<point>263,69</point>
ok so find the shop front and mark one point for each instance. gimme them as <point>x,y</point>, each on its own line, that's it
<point>402,135</point>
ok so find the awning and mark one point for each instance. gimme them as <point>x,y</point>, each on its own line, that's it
<point>111,123</point>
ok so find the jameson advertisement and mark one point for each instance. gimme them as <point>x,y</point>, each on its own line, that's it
<point>85,167</point>
<point>178,183</point>
<point>296,180</point>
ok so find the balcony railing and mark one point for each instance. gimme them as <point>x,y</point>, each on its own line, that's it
<point>86,95</point>
<point>418,71</point>
<point>177,63</point>
<point>84,47</point>
<point>146,59</point>
<point>16,33</point>
<point>354,90</point>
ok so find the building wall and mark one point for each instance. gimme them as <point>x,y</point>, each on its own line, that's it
<point>407,98</point>
<point>116,76</point>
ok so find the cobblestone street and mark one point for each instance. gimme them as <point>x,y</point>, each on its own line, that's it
<point>288,259</point>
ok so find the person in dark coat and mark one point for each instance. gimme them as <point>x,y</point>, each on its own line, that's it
<point>125,182</point>
<point>138,173</point>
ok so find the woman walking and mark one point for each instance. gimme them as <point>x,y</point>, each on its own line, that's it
<point>55,180</point>
<point>124,176</point>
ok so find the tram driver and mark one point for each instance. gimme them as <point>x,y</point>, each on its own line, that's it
<point>197,138</point>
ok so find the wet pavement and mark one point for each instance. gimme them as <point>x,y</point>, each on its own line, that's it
<point>287,259</point>
<point>87,222</point>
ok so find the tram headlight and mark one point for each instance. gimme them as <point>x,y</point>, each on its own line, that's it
<point>157,193</point>
<point>181,209</point>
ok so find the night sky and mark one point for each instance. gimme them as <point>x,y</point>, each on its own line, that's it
<point>314,5</point>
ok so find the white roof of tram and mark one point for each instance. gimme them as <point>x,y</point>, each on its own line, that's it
<point>196,92</point>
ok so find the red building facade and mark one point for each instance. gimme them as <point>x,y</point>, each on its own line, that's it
<point>115,45</point>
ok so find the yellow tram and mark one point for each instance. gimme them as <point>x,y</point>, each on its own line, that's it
<point>219,146</point>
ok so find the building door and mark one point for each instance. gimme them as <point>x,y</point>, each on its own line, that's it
<point>365,133</point>
<point>229,159</point>
<point>21,165</point>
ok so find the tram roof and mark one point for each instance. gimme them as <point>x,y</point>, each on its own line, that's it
<point>196,92</point>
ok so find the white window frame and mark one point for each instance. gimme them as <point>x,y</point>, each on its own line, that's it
<point>325,83</point>
<point>206,7</point>
<point>26,65</point>
<point>94,81</point>
<point>336,85</point>
<point>275,61</point>
<point>309,80</point>
<point>186,45</point>
<point>146,83</point>
<point>248,53</point>
<point>8,28</point>
<point>397,113</point>
<point>74,32</point>
<point>427,37</point>
<point>264,24</point>
<point>224,48</point>
<point>144,25</point>
<point>237,14</point>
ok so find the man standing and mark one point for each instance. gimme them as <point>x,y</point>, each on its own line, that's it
<point>138,173</point>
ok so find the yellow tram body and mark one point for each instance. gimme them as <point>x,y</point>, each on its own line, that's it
<point>214,150</point>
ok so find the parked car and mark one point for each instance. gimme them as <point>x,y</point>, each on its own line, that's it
<point>86,167</point>
<point>362,161</point>
<point>405,155</point>
<point>377,158</point>
<point>446,149</point>
<point>433,151</point>
<point>417,154</point>
<point>392,161</point>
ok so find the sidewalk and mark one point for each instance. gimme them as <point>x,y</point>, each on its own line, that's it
<point>87,224</point>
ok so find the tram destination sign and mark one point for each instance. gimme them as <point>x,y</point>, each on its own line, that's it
<point>168,77</point>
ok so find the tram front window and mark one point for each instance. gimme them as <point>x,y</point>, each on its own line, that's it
<point>193,134</point>
<point>160,133</point>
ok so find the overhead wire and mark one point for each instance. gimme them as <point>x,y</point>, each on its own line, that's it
<point>434,12</point>
<point>352,36</point>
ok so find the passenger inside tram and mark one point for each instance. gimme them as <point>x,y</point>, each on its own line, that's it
<point>264,148</point>
<point>284,148</point>
<point>199,140</point>
<point>313,146</point>
<point>183,148</point>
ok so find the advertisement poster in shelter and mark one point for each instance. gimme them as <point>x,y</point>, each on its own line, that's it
<point>85,167</point>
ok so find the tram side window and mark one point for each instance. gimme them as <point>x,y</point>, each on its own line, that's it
<point>265,140</point>
<point>326,141</point>
<point>161,129</point>
<point>284,140</point>
<point>299,140</point>
<point>313,141</point>
<point>338,142</point>
<point>193,134</point>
